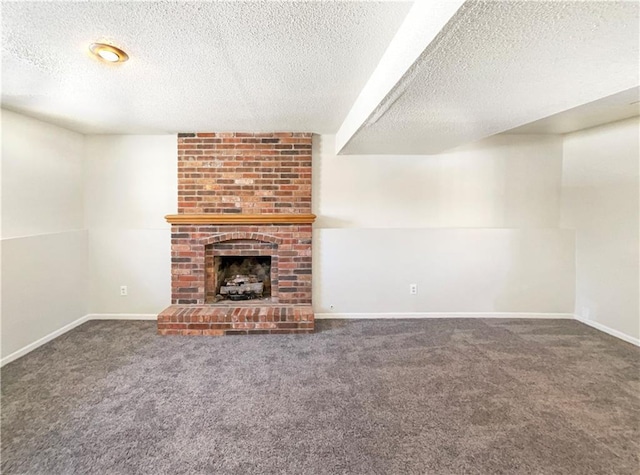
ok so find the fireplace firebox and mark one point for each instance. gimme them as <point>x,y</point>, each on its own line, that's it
<point>234,278</point>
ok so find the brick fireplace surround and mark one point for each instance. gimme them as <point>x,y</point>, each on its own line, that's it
<point>241,194</point>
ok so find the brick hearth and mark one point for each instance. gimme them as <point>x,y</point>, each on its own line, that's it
<point>235,320</point>
<point>241,195</point>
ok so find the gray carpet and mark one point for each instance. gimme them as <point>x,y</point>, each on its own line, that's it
<point>361,397</point>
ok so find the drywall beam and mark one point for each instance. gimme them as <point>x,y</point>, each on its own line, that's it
<point>421,26</point>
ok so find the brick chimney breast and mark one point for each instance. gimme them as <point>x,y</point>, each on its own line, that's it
<point>245,196</point>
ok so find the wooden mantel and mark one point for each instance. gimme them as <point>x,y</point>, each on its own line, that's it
<point>211,218</point>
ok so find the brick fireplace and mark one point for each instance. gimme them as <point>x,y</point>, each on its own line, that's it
<point>241,241</point>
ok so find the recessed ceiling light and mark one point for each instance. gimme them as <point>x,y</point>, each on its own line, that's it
<point>108,53</point>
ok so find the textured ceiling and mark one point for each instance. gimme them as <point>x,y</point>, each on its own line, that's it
<point>239,66</point>
<point>486,67</point>
<point>498,65</point>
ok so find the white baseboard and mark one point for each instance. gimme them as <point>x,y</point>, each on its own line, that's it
<point>45,339</point>
<point>70,326</point>
<point>321,316</point>
<point>610,331</point>
<point>122,316</point>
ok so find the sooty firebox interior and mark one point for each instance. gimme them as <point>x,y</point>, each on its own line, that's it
<point>239,278</point>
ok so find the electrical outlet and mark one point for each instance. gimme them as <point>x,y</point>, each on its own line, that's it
<point>413,289</point>
<point>123,290</point>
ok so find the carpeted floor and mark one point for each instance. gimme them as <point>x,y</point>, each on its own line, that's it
<point>361,397</point>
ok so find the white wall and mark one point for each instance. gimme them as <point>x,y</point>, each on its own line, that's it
<point>131,185</point>
<point>600,201</point>
<point>506,181</point>
<point>457,270</point>
<point>44,267</point>
<point>508,256</point>
<point>475,228</point>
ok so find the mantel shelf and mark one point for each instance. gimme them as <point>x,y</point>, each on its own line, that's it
<point>209,218</point>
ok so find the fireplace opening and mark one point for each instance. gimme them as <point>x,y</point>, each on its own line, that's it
<point>235,278</point>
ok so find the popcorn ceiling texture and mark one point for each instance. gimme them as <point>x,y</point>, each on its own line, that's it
<point>498,65</point>
<point>300,66</point>
<point>205,65</point>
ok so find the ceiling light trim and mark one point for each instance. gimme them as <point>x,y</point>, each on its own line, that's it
<point>108,53</point>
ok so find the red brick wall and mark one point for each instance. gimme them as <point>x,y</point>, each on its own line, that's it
<point>291,256</point>
<point>241,173</point>
<point>247,173</point>
<point>216,321</point>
